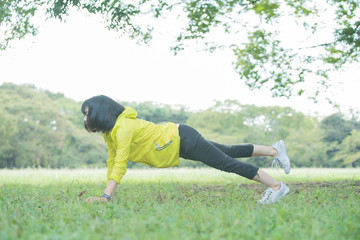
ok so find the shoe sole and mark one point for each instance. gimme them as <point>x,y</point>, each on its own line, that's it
<point>287,160</point>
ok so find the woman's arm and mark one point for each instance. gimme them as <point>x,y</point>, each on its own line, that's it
<point>117,162</point>
<point>110,190</point>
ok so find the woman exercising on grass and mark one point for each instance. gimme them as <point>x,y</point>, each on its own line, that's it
<point>131,139</point>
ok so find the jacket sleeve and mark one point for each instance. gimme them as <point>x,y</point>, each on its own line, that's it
<point>111,159</point>
<point>123,142</point>
<point>111,155</point>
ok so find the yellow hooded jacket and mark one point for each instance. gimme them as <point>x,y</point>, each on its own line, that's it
<point>140,141</point>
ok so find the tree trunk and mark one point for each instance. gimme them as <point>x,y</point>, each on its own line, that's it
<point>10,162</point>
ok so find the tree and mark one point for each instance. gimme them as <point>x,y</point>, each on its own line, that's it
<point>269,57</point>
<point>7,133</point>
<point>349,152</point>
<point>341,137</point>
<point>42,129</point>
<point>336,128</point>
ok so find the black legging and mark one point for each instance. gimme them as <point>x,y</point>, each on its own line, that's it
<point>193,146</point>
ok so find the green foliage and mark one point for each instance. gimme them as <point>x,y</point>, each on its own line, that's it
<point>336,128</point>
<point>42,129</point>
<point>266,60</point>
<point>15,20</point>
<point>269,60</point>
<point>307,149</point>
<point>349,149</point>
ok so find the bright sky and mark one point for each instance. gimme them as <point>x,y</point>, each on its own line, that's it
<point>81,58</point>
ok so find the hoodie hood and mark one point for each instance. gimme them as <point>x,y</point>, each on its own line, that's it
<point>129,113</point>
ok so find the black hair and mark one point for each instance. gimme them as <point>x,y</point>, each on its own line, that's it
<point>102,114</point>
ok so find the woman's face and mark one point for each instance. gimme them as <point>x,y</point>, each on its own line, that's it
<point>86,115</point>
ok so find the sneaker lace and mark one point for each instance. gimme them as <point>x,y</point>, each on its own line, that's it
<point>276,164</point>
<point>266,195</point>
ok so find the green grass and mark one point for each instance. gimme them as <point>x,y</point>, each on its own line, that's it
<point>178,204</point>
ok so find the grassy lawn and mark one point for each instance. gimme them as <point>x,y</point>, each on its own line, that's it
<point>178,204</point>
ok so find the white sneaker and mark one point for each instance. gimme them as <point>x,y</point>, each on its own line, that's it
<point>282,158</point>
<point>271,196</point>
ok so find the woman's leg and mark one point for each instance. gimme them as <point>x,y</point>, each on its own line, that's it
<point>267,180</point>
<point>260,150</point>
<point>277,150</point>
<point>235,151</point>
<point>194,147</point>
<point>246,150</point>
<point>250,150</point>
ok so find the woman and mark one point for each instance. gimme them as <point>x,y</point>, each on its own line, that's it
<point>137,140</point>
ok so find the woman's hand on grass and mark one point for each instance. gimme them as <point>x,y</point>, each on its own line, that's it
<point>110,190</point>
